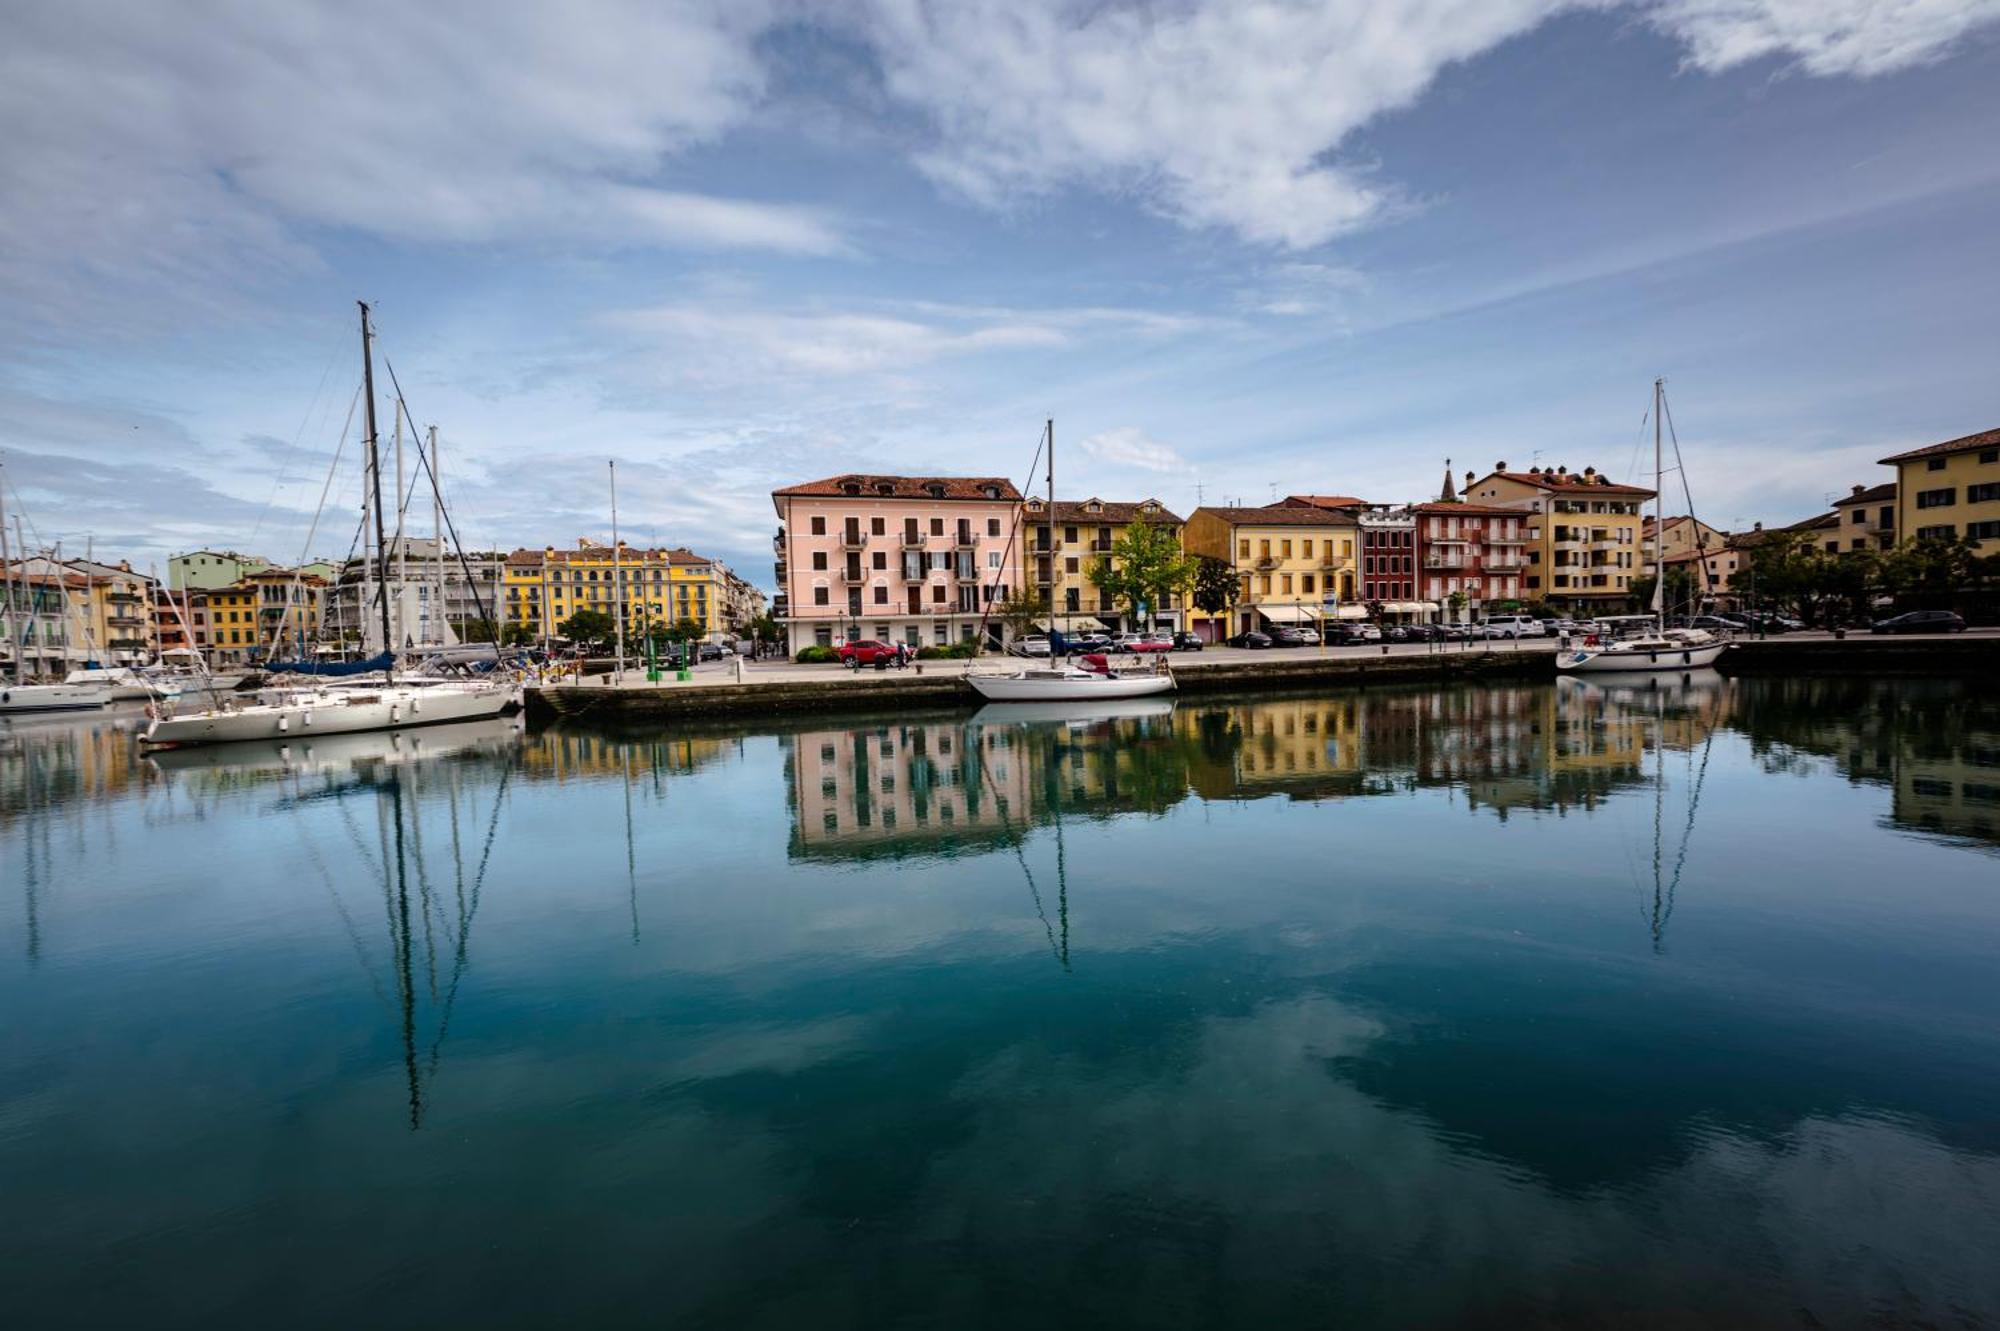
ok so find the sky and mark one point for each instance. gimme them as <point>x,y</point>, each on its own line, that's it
<point>1234,248</point>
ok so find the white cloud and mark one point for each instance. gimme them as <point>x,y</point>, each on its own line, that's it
<point>1128,446</point>
<point>842,343</point>
<point>186,143</point>
<point>1859,38</point>
<point>1218,113</point>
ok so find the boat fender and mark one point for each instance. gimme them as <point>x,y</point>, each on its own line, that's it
<point>284,724</point>
<point>308,718</point>
<point>395,714</point>
<point>416,705</point>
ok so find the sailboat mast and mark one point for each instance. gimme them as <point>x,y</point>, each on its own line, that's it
<point>1659,511</point>
<point>375,482</point>
<point>7,567</point>
<point>617,578</point>
<point>1050,548</point>
<point>402,535</point>
<point>437,535</point>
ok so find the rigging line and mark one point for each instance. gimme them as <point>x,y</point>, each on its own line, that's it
<point>451,527</point>
<point>312,531</point>
<point>1020,853</point>
<point>291,450</point>
<point>1687,834</point>
<point>986,607</point>
<point>1700,542</point>
<point>460,955</point>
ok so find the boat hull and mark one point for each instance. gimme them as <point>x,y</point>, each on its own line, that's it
<point>1099,688</point>
<point>329,714</point>
<point>1609,661</point>
<point>18,698</point>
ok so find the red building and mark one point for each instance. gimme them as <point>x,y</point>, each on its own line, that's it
<point>1469,550</point>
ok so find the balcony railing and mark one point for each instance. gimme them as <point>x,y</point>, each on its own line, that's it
<point>913,540</point>
<point>965,540</point>
<point>853,540</point>
<point>852,575</point>
<point>1265,563</point>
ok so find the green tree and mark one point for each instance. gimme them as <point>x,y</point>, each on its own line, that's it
<point>1145,566</point>
<point>1680,594</point>
<point>765,628</point>
<point>588,628</point>
<point>518,635</point>
<point>477,630</point>
<point>1216,585</point>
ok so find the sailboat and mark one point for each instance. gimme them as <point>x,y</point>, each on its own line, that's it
<point>1643,642</point>
<point>1090,678</point>
<point>18,695</point>
<point>325,708</point>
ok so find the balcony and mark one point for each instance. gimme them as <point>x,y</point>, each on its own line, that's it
<point>1456,538</point>
<point>780,568</point>
<point>853,577</point>
<point>965,540</point>
<point>778,543</point>
<point>1265,563</point>
<point>853,540</point>
<point>913,540</point>
<point>124,598</point>
<point>1044,576</point>
<point>1437,561</point>
<point>126,621</point>
<point>1100,547</point>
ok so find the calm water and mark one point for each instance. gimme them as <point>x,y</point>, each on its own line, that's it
<point>1514,1006</point>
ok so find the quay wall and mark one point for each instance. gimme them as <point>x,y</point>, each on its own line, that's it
<point>870,691</point>
<point>1957,654</point>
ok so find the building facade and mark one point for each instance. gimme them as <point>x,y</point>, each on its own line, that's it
<point>1294,564</point>
<point>1583,533</point>
<point>1950,490</point>
<point>1063,551</point>
<point>1473,557</point>
<point>432,600</point>
<point>1868,517</point>
<point>923,560</point>
<point>202,570</point>
<point>1388,563</point>
<point>662,586</point>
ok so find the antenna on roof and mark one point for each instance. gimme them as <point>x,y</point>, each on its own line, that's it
<point>1274,491</point>
<point>1197,494</point>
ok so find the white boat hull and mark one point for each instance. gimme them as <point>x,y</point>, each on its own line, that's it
<point>330,712</point>
<point>15,698</point>
<point>1055,687</point>
<point>1611,660</point>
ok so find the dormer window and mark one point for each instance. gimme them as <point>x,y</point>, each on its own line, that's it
<point>884,488</point>
<point>934,490</point>
<point>1095,507</point>
<point>1149,507</point>
<point>992,492</point>
<point>850,487</point>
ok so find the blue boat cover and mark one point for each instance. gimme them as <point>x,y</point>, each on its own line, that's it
<point>373,665</point>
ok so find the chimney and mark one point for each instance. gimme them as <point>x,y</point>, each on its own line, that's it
<point>1590,471</point>
<point>1562,471</point>
<point>1756,526</point>
<point>1500,465</point>
<point>1859,490</point>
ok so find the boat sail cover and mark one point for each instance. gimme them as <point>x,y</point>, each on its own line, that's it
<point>373,665</point>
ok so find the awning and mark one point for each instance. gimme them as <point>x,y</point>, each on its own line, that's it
<point>1289,614</point>
<point>1409,607</point>
<point>1074,624</point>
<point>1352,611</point>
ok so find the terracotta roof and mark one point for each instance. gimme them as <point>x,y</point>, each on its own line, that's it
<point>901,487</point>
<point>1111,511</point>
<point>1568,482</point>
<point>1818,522</point>
<point>1281,515</point>
<point>1323,501</point>
<point>1984,439</point>
<point>1689,556</point>
<point>679,554</point>
<point>1874,494</point>
<point>1469,510</point>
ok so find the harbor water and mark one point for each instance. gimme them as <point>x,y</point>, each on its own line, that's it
<point>1585,1003</point>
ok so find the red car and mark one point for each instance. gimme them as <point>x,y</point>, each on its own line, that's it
<point>1147,642</point>
<point>866,652</point>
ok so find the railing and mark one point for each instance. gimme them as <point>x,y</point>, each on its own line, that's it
<point>913,540</point>
<point>1265,563</point>
<point>853,540</point>
<point>965,540</point>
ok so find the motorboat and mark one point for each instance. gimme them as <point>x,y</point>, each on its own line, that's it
<point>17,698</point>
<point>126,684</point>
<point>1090,679</point>
<point>291,713</point>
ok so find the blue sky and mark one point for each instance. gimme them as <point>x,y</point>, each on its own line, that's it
<point>1232,248</point>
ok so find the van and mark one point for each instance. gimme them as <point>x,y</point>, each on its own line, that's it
<point>1515,626</point>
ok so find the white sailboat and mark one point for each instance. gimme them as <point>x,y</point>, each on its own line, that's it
<point>1091,679</point>
<point>319,707</point>
<point>1643,642</point>
<point>19,696</point>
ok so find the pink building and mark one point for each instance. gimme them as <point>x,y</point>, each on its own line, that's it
<point>918,559</point>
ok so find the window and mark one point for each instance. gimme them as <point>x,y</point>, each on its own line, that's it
<point>1982,494</point>
<point>881,594</point>
<point>1944,532</point>
<point>1243,548</point>
<point>1305,549</point>
<point>937,526</point>
<point>993,559</point>
<point>819,596</point>
<point>875,527</point>
<point>880,559</point>
<point>1982,531</point>
<point>1941,498</point>
<point>1264,549</point>
<point>1935,464</point>
<point>819,526</point>
<point>1285,584</point>
<point>1989,455</point>
<point>1306,583</point>
<point>992,526</point>
<point>1285,549</point>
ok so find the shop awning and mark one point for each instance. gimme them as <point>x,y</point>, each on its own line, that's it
<point>1289,614</point>
<point>1073,624</point>
<point>1409,607</point>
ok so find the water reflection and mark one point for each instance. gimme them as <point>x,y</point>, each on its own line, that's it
<point>1513,1005</point>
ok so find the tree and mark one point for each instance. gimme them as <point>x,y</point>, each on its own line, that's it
<point>1145,566</point>
<point>588,628</point>
<point>1020,611</point>
<point>1679,593</point>
<point>1216,585</point>
<point>518,635</point>
<point>764,628</point>
<point>477,630</point>
<point>684,629</point>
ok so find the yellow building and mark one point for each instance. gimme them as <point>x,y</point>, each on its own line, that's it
<point>1061,554</point>
<point>542,588</point>
<point>225,623</point>
<point>1290,562</point>
<point>1584,547</point>
<point>1950,489</point>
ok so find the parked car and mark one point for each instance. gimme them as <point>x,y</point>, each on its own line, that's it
<point>1369,632</point>
<point>1285,635</point>
<point>1418,632</point>
<point>710,651</point>
<point>866,651</point>
<point>1254,641</point>
<point>1034,644</point>
<point>1082,644</point>
<point>1920,621</point>
<point>1148,642</point>
<point>1340,634</point>
<point>1188,642</point>
<point>1514,626</point>
<point>1713,623</point>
